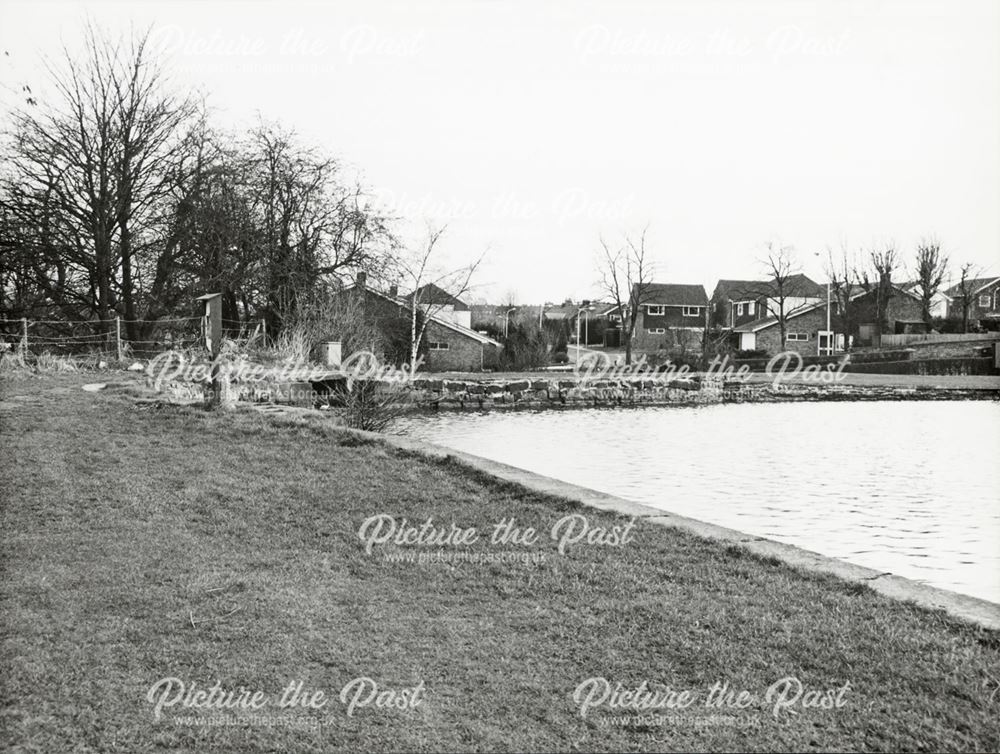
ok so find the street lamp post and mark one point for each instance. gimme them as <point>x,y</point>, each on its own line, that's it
<point>586,310</point>
<point>506,316</point>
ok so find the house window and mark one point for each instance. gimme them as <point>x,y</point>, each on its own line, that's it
<point>751,307</point>
<point>691,311</point>
<point>656,330</point>
<point>739,310</point>
<point>797,336</point>
<point>656,310</point>
<point>984,301</point>
<point>436,346</point>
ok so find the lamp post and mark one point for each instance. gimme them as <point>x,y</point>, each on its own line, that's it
<point>586,309</point>
<point>506,316</point>
<point>829,333</point>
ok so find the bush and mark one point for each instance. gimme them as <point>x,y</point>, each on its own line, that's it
<point>560,357</point>
<point>371,405</point>
<point>525,347</point>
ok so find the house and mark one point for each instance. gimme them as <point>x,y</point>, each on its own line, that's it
<point>939,301</point>
<point>984,306</point>
<point>807,331</point>
<point>903,314</point>
<point>437,301</point>
<point>738,302</point>
<point>670,316</point>
<point>446,347</point>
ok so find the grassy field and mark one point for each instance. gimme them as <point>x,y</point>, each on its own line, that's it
<point>144,541</point>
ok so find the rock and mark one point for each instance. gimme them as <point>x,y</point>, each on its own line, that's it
<point>93,387</point>
<point>136,367</point>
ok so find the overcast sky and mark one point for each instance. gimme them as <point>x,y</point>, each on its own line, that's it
<point>533,128</point>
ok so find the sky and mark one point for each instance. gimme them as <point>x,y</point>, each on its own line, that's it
<point>532,130</point>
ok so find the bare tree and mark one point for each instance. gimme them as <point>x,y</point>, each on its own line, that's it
<point>931,268</point>
<point>627,276</point>
<point>423,272</point>
<point>88,168</point>
<point>965,291</point>
<point>878,279</point>
<point>845,283</point>
<point>786,291</point>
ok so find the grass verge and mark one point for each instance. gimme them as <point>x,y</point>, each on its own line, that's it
<point>146,541</point>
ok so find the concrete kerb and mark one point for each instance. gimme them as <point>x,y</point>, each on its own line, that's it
<point>970,609</point>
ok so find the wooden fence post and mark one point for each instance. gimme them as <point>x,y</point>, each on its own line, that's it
<point>24,336</point>
<point>118,337</point>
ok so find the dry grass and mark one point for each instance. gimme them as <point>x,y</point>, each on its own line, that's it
<point>144,541</point>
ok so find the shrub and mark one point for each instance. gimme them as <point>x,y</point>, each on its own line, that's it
<point>371,405</point>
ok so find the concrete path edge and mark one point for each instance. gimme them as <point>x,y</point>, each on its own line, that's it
<point>970,609</point>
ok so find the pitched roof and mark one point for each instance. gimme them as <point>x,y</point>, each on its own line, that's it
<point>763,323</point>
<point>913,286</point>
<point>797,285</point>
<point>724,288</point>
<point>671,294</point>
<point>437,296</point>
<point>401,303</point>
<point>976,284</point>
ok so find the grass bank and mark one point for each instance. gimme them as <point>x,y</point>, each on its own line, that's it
<point>144,541</point>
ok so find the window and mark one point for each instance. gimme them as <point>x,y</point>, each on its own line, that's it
<point>797,336</point>
<point>984,301</point>
<point>691,311</point>
<point>656,310</point>
<point>739,310</point>
<point>751,307</point>
<point>655,330</point>
<point>433,346</point>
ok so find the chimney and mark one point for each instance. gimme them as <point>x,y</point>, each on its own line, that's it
<point>362,278</point>
<point>393,290</point>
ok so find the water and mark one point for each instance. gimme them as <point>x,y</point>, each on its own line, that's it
<point>911,488</point>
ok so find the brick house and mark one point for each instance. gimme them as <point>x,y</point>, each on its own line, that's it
<point>984,308</point>
<point>903,314</point>
<point>805,334</point>
<point>443,305</point>
<point>738,302</point>
<point>806,328</point>
<point>446,345</point>
<point>670,316</point>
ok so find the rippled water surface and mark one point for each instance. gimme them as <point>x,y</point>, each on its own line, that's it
<point>907,487</point>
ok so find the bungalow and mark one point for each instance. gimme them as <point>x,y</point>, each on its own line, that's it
<point>983,305</point>
<point>939,301</point>
<point>447,346</point>
<point>903,314</point>
<point>807,331</point>
<point>670,316</point>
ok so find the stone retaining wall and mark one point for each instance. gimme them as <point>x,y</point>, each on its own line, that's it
<point>435,394</point>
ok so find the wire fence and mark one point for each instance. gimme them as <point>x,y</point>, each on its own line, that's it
<point>76,337</point>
